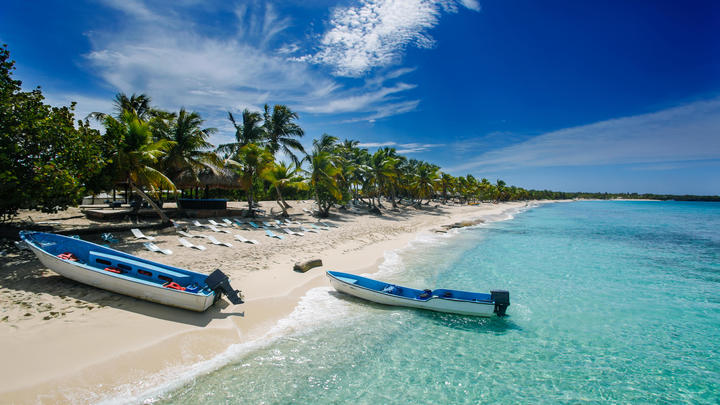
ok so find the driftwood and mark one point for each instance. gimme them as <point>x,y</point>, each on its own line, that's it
<point>461,224</point>
<point>302,267</point>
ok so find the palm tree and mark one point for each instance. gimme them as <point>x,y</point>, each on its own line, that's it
<point>426,178</point>
<point>282,175</point>
<point>281,131</point>
<point>249,132</point>
<point>448,185</point>
<point>135,155</point>
<point>253,161</point>
<point>384,164</point>
<point>189,149</point>
<point>500,192</point>
<point>486,189</point>
<point>138,104</point>
<point>324,173</point>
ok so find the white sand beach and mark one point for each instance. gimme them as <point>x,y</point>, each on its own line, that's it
<point>64,342</point>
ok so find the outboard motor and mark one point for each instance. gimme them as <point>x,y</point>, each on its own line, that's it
<point>501,298</point>
<point>218,282</point>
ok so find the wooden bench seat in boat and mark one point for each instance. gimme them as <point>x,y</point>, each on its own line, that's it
<point>123,263</point>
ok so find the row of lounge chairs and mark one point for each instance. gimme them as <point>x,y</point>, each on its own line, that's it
<point>222,227</point>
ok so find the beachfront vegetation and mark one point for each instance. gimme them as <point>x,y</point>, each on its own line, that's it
<point>48,161</point>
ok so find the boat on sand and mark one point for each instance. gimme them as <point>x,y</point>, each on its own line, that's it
<point>440,300</point>
<point>126,274</point>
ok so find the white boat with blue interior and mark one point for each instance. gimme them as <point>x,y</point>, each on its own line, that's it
<point>440,300</point>
<point>112,270</point>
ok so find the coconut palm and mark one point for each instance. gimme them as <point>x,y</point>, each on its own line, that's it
<point>252,161</point>
<point>189,150</point>
<point>138,104</point>
<point>447,183</point>
<point>251,131</point>
<point>384,164</point>
<point>324,172</point>
<point>281,176</point>
<point>426,178</point>
<point>500,192</point>
<point>136,154</point>
<point>281,131</point>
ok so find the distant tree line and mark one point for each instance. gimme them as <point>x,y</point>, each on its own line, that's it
<point>48,161</point>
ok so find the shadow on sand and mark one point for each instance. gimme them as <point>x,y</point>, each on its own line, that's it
<point>24,273</point>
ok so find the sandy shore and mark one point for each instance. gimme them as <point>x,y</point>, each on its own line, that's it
<point>64,342</point>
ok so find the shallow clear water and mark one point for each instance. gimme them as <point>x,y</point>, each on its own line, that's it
<point>611,301</point>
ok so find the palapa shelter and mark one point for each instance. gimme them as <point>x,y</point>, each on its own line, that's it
<point>222,178</point>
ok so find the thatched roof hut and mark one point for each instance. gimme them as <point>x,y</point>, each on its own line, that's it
<point>223,178</point>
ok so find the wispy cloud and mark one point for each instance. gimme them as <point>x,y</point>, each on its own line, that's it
<point>179,64</point>
<point>376,33</point>
<point>417,147</point>
<point>405,148</point>
<point>687,132</point>
<point>376,144</point>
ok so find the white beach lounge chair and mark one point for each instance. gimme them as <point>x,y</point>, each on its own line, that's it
<point>189,235</point>
<point>154,248</point>
<point>217,242</point>
<point>291,232</point>
<point>216,229</point>
<point>213,223</point>
<point>238,222</point>
<point>302,228</point>
<point>198,224</point>
<point>245,240</point>
<point>324,228</point>
<point>138,234</point>
<point>269,225</point>
<point>328,224</point>
<point>187,243</point>
<point>272,235</point>
<point>227,222</point>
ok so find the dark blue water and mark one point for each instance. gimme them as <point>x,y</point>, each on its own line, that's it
<point>611,301</point>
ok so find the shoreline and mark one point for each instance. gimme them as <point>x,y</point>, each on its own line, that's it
<point>134,347</point>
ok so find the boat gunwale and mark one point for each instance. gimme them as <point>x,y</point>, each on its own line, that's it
<point>135,280</point>
<point>481,302</point>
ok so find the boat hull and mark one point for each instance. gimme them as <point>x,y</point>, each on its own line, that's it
<point>438,304</point>
<point>126,286</point>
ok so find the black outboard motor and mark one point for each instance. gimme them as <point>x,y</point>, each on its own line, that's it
<point>218,282</point>
<point>501,298</point>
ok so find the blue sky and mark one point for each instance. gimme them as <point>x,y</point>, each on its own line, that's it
<point>610,96</point>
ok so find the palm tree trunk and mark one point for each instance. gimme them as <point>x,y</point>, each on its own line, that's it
<point>281,202</point>
<point>165,218</point>
<point>250,203</point>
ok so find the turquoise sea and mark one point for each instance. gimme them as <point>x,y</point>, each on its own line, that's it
<point>611,302</point>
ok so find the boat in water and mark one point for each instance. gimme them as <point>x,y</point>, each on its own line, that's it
<point>119,272</point>
<point>440,300</point>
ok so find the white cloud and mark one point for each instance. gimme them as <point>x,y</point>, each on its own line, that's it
<point>471,4</point>
<point>417,147</point>
<point>376,144</point>
<point>357,102</point>
<point>404,147</point>
<point>688,132</point>
<point>178,64</point>
<point>376,33</point>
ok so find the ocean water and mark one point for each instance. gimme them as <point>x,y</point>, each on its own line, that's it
<point>610,302</point>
